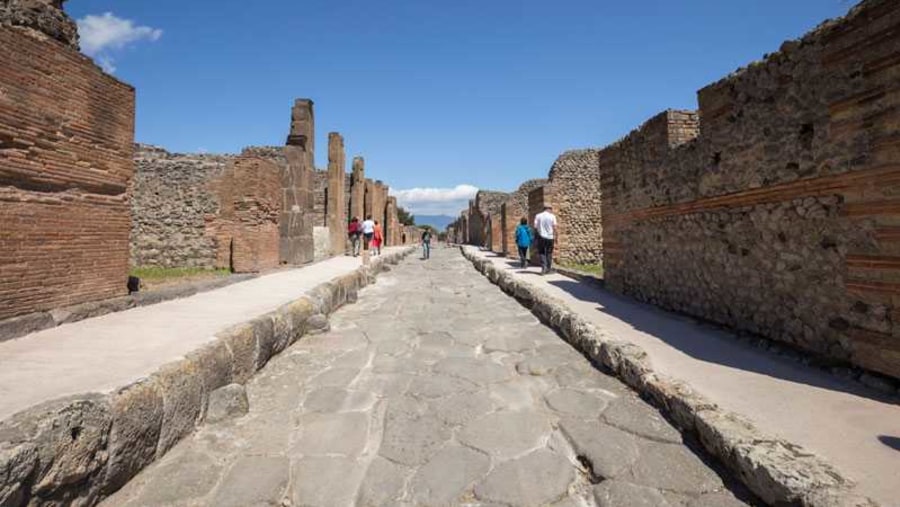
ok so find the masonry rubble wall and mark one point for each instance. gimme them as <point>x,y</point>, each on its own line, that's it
<point>337,199</point>
<point>297,216</point>
<point>539,197</point>
<point>66,145</point>
<point>320,199</point>
<point>174,207</point>
<point>575,179</point>
<point>780,217</point>
<point>486,206</point>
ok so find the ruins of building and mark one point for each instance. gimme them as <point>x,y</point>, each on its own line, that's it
<point>66,146</point>
<point>512,211</point>
<point>575,182</point>
<point>777,217</point>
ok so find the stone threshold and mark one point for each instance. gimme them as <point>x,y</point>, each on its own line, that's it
<point>81,448</point>
<point>778,471</point>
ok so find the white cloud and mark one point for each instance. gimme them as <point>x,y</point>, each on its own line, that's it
<point>101,35</point>
<point>436,201</point>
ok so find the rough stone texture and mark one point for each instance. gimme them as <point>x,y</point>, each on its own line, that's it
<point>514,209</point>
<point>174,207</point>
<point>617,493</point>
<point>484,223</point>
<point>321,243</point>
<point>379,411</point>
<point>777,219</point>
<point>537,199</point>
<point>776,470</point>
<point>63,180</point>
<point>320,199</point>
<point>337,202</point>
<point>575,178</point>
<point>76,450</point>
<point>296,218</point>
<point>254,480</point>
<point>40,18</point>
<point>358,189</point>
<point>227,402</point>
<point>247,228</point>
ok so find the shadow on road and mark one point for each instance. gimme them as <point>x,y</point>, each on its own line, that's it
<point>892,442</point>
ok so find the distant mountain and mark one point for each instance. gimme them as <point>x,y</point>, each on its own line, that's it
<point>439,222</point>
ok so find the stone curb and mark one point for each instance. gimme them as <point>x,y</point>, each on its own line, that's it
<point>80,449</point>
<point>16,327</point>
<point>779,472</point>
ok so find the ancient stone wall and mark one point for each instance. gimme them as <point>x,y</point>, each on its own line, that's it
<point>174,206</point>
<point>514,209</point>
<point>66,145</point>
<point>247,228</point>
<point>487,207</point>
<point>320,198</point>
<point>336,196</point>
<point>576,185</point>
<point>296,221</point>
<point>539,197</point>
<point>358,189</point>
<point>781,217</point>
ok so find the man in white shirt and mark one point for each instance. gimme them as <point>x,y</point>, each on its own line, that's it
<point>368,230</point>
<point>545,225</point>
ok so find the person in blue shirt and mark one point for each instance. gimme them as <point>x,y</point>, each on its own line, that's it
<point>523,240</point>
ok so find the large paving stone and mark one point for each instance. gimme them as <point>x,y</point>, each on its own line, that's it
<point>723,499</point>
<point>437,386</point>
<point>254,480</point>
<point>447,475</point>
<point>462,408</point>
<point>383,484</point>
<point>583,404</point>
<point>673,467</point>
<point>182,390</point>
<point>227,402</point>
<point>621,494</point>
<point>538,365</point>
<point>479,371</point>
<point>536,479</point>
<point>179,482</point>
<point>411,435</point>
<point>330,434</point>
<point>507,434</point>
<point>137,413</point>
<point>513,343</point>
<point>325,481</point>
<point>335,377</point>
<point>333,399</point>
<point>610,451</point>
<point>635,416</point>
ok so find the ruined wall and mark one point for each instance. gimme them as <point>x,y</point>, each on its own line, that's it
<point>247,228</point>
<point>358,189</point>
<point>174,206</point>
<point>336,195</point>
<point>297,218</point>
<point>66,143</point>
<point>781,217</point>
<point>538,198</point>
<point>487,208</point>
<point>320,198</point>
<point>512,211</point>
<point>576,185</point>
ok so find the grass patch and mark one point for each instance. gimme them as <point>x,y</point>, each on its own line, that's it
<point>593,269</point>
<point>155,273</point>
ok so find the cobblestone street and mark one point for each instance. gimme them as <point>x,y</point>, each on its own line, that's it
<point>435,388</point>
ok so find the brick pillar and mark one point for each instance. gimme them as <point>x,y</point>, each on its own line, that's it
<point>358,189</point>
<point>295,220</point>
<point>336,218</point>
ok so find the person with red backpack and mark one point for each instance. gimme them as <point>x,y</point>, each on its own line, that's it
<point>353,233</point>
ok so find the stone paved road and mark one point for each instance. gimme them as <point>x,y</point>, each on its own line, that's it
<point>434,389</point>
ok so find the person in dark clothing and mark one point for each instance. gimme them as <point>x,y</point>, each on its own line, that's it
<point>353,233</point>
<point>426,244</point>
<point>523,241</point>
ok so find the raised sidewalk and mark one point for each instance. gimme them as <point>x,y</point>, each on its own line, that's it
<point>756,411</point>
<point>85,405</point>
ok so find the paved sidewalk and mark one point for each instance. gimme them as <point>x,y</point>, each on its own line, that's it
<point>111,351</point>
<point>854,428</point>
<point>433,389</point>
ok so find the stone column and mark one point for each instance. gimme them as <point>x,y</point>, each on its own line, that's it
<point>295,221</point>
<point>393,222</point>
<point>358,189</point>
<point>368,209</point>
<point>335,209</point>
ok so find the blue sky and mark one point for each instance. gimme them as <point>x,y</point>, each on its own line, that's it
<point>445,96</point>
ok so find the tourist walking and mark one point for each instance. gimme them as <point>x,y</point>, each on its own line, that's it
<point>426,244</point>
<point>545,225</point>
<point>368,231</point>
<point>377,238</point>
<point>353,233</point>
<point>523,241</point>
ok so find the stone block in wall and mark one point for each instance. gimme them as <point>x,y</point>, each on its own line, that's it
<point>322,243</point>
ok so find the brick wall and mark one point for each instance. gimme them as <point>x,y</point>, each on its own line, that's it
<point>781,217</point>
<point>66,141</point>
<point>174,205</point>
<point>512,211</point>
<point>247,227</point>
